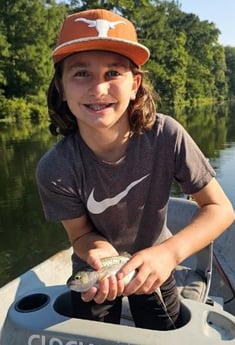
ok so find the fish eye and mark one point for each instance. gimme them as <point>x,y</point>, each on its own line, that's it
<point>78,277</point>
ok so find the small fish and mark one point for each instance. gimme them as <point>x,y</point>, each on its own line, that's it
<point>88,277</point>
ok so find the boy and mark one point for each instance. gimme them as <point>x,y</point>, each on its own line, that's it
<point>108,181</point>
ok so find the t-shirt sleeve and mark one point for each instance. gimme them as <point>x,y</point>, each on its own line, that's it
<point>193,170</point>
<point>58,189</point>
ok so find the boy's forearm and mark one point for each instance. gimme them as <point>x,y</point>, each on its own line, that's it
<point>208,224</point>
<point>85,240</point>
<point>91,241</point>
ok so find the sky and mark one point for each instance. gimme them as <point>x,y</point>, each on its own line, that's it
<point>220,12</point>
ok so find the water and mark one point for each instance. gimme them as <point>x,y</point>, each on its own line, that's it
<point>26,238</point>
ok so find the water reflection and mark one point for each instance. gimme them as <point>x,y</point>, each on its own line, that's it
<point>213,129</point>
<point>26,238</point>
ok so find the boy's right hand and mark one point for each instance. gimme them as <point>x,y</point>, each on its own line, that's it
<point>109,288</point>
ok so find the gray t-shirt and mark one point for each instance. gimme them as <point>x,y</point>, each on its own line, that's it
<point>125,201</point>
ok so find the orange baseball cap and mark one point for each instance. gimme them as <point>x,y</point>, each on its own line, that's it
<point>99,29</point>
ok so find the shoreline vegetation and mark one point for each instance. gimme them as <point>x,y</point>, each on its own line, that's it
<point>188,66</point>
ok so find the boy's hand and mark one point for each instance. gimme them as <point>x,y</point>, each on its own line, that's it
<point>94,256</point>
<point>109,289</point>
<point>153,265</point>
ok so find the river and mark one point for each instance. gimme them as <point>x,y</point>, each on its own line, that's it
<point>26,238</point>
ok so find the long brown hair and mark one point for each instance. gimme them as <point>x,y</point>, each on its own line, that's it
<point>141,111</point>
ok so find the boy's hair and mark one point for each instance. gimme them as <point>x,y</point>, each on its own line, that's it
<point>142,110</point>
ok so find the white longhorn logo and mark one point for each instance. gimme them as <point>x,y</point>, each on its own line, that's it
<point>102,25</point>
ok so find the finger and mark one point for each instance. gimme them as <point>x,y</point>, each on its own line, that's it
<point>89,294</point>
<point>120,287</point>
<point>103,291</point>
<point>149,287</point>
<point>155,287</point>
<point>116,288</point>
<point>150,284</point>
<point>94,261</point>
<point>137,282</point>
<point>131,266</point>
<point>113,288</point>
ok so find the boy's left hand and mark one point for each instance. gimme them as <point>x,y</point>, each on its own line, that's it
<point>153,265</point>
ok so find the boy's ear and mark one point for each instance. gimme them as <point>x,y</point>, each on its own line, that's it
<point>136,85</point>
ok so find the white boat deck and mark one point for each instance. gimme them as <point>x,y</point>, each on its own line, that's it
<point>204,324</point>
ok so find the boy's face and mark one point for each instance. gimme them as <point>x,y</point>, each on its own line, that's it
<point>98,87</point>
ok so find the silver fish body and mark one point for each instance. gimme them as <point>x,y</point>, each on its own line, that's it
<point>88,277</point>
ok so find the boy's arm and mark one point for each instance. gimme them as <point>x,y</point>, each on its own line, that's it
<point>87,244</point>
<point>155,264</point>
<point>90,247</point>
<point>215,215</point>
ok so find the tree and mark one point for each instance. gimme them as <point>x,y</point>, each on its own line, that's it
<point>29,27</point>
<point>206,68</point>
<point>219,72</point>
<point>230,71</point>
<point>4,54</point>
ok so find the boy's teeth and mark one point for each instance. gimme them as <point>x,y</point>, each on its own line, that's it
<point>98,106</point>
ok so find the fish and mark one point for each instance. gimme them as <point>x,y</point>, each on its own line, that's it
<point>88,277</point>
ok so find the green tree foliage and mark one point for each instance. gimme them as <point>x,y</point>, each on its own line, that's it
<point>4,54</point>
<point>187,62</point>
<point>28,32</point>
<point>230,72</point>
<point>219,72</point>
<point>29,28</point>
<point>205,71</point>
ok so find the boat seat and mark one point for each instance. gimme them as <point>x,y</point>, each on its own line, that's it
<point>193,276</point>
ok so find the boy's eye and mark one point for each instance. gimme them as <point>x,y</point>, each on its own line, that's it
<point>81,74</point>
<point>113,74</point>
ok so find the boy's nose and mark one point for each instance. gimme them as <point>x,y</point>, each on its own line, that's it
<point>99,87</point>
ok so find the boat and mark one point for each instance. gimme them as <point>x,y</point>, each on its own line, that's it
<point>36,306</point>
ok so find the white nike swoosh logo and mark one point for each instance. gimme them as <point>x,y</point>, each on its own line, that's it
<point>97,207</point>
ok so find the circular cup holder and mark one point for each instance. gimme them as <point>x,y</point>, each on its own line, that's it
<point>32,302</point>
<point>185,315</point>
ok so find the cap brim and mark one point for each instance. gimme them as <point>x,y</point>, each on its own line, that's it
<point>136,52</point>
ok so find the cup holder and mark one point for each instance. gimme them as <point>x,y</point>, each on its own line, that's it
<point>185,315</point>
<point>219,327</point>
<point>32,302</point>
<point>63,305</point>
